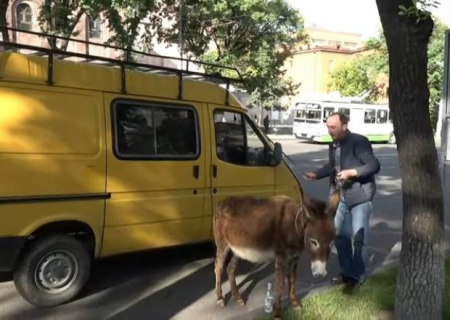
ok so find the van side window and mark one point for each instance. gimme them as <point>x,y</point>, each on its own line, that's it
<point>153,131</point>
<point>237,141</point>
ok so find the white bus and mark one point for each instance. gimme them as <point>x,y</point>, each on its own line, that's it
<point>371,120</point>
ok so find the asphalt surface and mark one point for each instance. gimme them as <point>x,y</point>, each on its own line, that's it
<point>179,283</point>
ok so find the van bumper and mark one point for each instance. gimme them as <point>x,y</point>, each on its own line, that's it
<point>10,248</point>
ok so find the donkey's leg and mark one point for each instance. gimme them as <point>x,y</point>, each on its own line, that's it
<point>280,268</point>
<point>231,269</point>
<point>292,282</point>
<point>221,255</point>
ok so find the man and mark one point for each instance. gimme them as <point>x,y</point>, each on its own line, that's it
<point>266,122</point>
<point>351,167</point>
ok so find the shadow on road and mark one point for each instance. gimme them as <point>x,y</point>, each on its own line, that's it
<point>161,284</point>
<point>157,284</point>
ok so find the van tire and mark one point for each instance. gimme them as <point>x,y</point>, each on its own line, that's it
<point>73,264</point>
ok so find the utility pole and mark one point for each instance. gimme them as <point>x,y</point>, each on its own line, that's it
<point>180,32</point>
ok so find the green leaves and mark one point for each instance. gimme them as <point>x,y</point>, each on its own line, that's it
<point>255,36</point>
<point>60,17</point>
<point>360,76</point>
<point>370,70</point>
<point>418,10</point>
<point>125,18</point>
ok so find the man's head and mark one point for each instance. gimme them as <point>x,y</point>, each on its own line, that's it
<point>337,123</point>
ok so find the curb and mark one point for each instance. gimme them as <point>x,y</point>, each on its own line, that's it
<point>392,260</point>
<point>281,137</point>
<point>301,294</point>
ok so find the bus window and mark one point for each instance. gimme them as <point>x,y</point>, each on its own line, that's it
<point>382,116</point>
<point>345,111</point>
<point>326,112</point>
<point>313,113</point>
<point>369,116</point>
<point>390,117</point>
<point>300,113</point>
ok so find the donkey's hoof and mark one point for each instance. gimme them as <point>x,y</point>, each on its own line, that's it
<point>240,302</point>
<point>221,303</point>
<point>295,305</point>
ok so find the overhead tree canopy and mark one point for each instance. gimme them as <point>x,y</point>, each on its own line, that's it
<point>256,36</point>
<point>124,18</point>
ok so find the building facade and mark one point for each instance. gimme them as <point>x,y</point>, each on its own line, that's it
<point>313,63</point>
<point>23,15</point>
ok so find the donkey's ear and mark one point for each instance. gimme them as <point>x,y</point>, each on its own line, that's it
<point>333,203</point>
<point>310,207</point>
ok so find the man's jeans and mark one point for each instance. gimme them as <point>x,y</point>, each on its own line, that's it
<point>352,225</point>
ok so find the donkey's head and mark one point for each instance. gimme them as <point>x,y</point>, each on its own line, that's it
<point>320,232</point>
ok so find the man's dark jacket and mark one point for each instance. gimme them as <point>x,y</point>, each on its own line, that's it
<point>356,153</point>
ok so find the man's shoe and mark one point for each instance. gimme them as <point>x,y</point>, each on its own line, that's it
<point>351,286</point>
<point>341,279</point>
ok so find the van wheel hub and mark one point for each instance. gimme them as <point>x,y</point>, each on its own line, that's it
<point>56,272</point>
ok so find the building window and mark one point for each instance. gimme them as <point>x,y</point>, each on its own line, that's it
<point>350,44</point>
<point>95,28</point>
<point>336,44</point>
<point>24,17</point>
<point>319,42</point>
<point>330,66</point>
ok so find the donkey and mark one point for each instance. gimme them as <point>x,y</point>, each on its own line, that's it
<point>274,228</point>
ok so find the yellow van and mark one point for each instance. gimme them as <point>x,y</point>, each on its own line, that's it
<point>97,161</point>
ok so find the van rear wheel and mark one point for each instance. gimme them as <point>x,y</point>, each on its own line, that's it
<point>53,270</point>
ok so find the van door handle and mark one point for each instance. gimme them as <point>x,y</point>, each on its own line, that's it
<point>214,171</point>
<point>196,171</point>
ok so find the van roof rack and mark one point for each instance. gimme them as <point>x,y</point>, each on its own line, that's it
<point>181,73</point>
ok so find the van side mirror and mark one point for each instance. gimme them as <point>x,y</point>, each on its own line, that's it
<point>277,155</point>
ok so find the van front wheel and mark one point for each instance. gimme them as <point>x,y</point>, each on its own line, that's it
<point>53,270</point>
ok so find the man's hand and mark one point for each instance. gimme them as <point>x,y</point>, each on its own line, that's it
<point>309,176</point>
<point>347,174</point>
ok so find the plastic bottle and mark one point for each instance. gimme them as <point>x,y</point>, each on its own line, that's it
<point>268,302</point>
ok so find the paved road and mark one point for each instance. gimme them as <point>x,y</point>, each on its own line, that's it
<point>178,284</point>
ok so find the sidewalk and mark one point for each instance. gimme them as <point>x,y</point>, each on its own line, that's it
<point>279,137</point>
<point>391,260</point>
<point>306,289</point>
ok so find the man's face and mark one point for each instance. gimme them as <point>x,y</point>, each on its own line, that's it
<point>335,128</point>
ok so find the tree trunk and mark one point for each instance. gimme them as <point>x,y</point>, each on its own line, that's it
<point>420,283</point>
<point>3,22</point>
